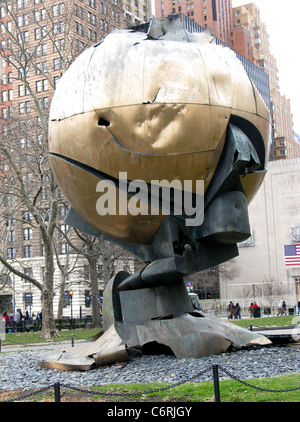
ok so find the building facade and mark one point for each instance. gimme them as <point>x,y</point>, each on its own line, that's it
<point>250,38</point>
<point>261,271</point>
<point>212,15</point>
<point>39,40</point>
<point>137,12</point>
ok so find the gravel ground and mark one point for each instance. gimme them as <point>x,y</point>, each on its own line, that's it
<point>18,370</point>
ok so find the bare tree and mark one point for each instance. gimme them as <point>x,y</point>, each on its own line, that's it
<point>104,260</point>
<point>27,182</point>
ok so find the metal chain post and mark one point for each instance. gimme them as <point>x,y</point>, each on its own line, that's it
<point>57,392</point>
<point>216,382</point>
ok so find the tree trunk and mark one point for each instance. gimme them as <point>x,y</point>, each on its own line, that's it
<point>48,326</point>
<point>61,296</point>
<point>94,293</point>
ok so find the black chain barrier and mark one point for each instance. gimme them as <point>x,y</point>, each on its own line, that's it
<point>215,369</point>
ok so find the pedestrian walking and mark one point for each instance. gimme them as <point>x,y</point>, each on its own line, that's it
<point>237,313</point>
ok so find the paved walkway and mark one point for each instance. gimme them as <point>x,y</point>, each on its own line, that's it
<point>42,346</point>
<point>289,334</point>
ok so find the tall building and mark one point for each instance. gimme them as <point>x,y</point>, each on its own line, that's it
<point>249,37</point>
<point>39,39</point>
<point>262,271</point>
<point>212,15</point>
<point>137,12</point>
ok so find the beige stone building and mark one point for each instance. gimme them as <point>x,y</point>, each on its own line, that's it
<point>39,39</point>
<point>261,272</point>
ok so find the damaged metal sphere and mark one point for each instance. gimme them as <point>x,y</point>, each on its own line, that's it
<point>166,105</point>
<point>156,106</point>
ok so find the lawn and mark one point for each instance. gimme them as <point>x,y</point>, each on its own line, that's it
<point>275,321</point>
<point>35,337</point>
<point>230,390</point>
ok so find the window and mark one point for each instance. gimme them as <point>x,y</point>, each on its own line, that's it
<point>44,49</point>
<point>11,253</point>
<point>92,3</point>
<point>37,33</point>
<point>38,86</point>
<point>27,234</point>
<point>87,299</point>
<point>28,251</point>
<point>41,85</point>
<point>21,108</point>
<point>55,64</point>
<point>63,229</point>
<point>21,90</point>
<point>11,236</point>
<point>29,272</point>
<point>64,248</point>
<point>4,113</point>
<point>27,216</point>
<point>295,234</point>
<point>56,79</point>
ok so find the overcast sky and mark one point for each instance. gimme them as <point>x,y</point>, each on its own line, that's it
<point>282,22</point>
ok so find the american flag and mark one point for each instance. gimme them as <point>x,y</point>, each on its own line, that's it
<point>292,255</point>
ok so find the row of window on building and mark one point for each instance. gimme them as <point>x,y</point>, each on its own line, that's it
<point>28,252</point>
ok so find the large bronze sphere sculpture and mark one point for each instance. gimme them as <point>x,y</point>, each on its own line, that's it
<point>163,106</point>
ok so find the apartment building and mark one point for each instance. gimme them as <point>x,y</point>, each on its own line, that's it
<point>249,37</point>
<point>39,39</point>
<point>137,12</point>
<point>212,15</point>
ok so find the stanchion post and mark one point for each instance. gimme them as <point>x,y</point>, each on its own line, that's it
<point>72,336</point>
<point>57,392</point>
<point>216,383</point>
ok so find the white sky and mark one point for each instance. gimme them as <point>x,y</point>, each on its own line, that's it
<point>282,22</point>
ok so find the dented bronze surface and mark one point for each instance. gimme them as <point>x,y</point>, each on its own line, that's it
<point>157,109</point>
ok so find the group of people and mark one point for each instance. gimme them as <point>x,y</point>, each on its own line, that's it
<point>282,308</point>
<point>14,319</point>
<point>252,308</point>
<point>234,311</point>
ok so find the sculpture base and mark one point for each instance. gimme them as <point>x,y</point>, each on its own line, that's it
<point>159,316</point>
<point>192,335</point>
